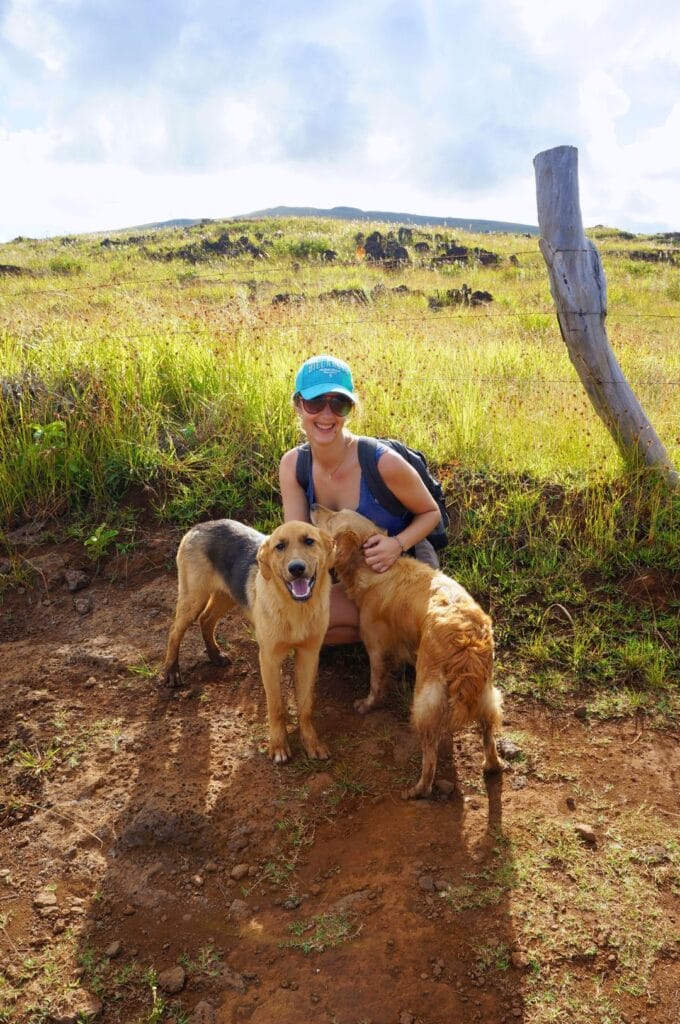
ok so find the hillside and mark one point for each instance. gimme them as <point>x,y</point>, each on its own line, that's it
<point>351,213</point>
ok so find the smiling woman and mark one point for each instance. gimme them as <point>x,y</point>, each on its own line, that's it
<point>324,397</point>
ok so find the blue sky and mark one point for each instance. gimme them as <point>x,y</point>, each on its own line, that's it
<point>119,112</point>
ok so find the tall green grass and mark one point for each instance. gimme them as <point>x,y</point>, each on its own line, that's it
<point>143,402</point>
<point>137,368</point>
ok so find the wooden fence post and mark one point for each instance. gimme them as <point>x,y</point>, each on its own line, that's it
<point>579,289</point>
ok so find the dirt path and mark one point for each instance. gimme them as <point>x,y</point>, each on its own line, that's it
<point>147,844</point>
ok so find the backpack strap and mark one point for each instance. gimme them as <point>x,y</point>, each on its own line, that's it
<point>303,466</point>
<point>366,449</point>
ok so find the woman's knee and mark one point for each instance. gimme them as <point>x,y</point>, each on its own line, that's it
<point>424,552</point>
<point>343,627</point>
<point>343,611</point>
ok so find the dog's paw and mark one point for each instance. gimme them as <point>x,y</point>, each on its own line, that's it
<point>365,705</point>
<point>218,657</point>
<point>170,677</point>
<point>315,748</point>
<point>417,792</point>
<point>279,751</point>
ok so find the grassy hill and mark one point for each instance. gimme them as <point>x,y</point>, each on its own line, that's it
<point>353,214</point>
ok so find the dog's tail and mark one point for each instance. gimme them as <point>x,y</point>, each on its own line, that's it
<point>472,696</point>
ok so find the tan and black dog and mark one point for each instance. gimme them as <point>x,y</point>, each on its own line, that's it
<point>415,614</point>
<point>282,584</point>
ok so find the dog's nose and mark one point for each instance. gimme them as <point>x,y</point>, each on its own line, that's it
<point>297,568</point>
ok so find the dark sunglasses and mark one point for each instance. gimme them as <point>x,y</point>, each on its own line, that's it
<point>340,405</point>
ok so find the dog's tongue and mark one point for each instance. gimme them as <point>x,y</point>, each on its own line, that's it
<point>300,588</point>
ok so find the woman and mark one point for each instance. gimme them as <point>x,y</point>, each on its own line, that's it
<point>323,399</point>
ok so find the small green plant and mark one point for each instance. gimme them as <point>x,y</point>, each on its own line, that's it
<point>296,832</point>
<point>324,931</point>
<point>158,1007</point>
<point>99,541</point>
<point>207,962</point>
<point>346,784</point>
<point>66,266</point>
<point>492,955</point>
<point>295,829</point>
<point>39,762</point>
<point>49,435</point>
<point>471,896</point>
<point>647,661</point>
<point>125,974</point>
<point>143,669</point>
<point>308,248</point>
<point>158,1003</point>
<point>93,969</point>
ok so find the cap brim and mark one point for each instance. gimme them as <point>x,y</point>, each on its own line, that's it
<point>323,389</point>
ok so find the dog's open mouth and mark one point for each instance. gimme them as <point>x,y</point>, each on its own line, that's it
<point>301,588</point>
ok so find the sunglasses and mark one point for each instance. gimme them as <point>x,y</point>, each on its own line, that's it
<point>340,405</point>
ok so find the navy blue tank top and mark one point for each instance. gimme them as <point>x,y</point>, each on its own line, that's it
<point>368,506</point>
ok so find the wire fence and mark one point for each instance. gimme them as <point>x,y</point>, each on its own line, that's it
<point>355,298</point>
<point>257,318</point>
<point>434,262</point>
<point>183,284</point>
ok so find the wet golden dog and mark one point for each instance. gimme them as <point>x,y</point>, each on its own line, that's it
<point>413,613</point>
<point>282,584</point>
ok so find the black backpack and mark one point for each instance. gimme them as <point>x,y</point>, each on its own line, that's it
<point>377,486</point>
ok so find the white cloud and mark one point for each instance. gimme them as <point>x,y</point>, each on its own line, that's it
<point>427,106</point>
<point>556,28</point>
<point>32,29</point>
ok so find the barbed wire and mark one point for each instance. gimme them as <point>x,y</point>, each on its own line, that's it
<point>370,266</point>
<point>464,313</point>
<point>189,283</point>
<point>255,321</point>
<point>517,381</point>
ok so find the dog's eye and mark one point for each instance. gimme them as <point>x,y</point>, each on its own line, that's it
<point>281,546</point>
<point>308,541</point>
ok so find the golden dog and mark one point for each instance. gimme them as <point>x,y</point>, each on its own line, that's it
<point>282,584</point>
<point>413,613</point>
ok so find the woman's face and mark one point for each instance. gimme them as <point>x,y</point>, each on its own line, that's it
<point>324,426</point>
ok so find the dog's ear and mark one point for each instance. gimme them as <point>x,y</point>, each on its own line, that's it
<point>347,544</point>
<point>319,514</point>
<point>328,545</point>
<point>263,559</point>
<point>350,539</point>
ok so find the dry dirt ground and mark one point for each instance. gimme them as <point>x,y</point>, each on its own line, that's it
<point>155,865</point>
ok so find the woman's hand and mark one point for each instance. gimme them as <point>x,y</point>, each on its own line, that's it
<point>381,552</point>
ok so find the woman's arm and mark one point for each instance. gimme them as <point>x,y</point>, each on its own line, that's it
<point>295,504</point>
<point>405,483</point>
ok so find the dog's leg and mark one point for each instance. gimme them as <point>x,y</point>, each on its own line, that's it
<point>377,654</point>
<point>306,667</point>
<point>429,713</point>
<point>490,720</point>
<point>187,611</point>
<point>271,659</point>
<point>216,608</point>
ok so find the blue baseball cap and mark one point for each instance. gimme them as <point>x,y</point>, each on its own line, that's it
<point>323,374</point>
